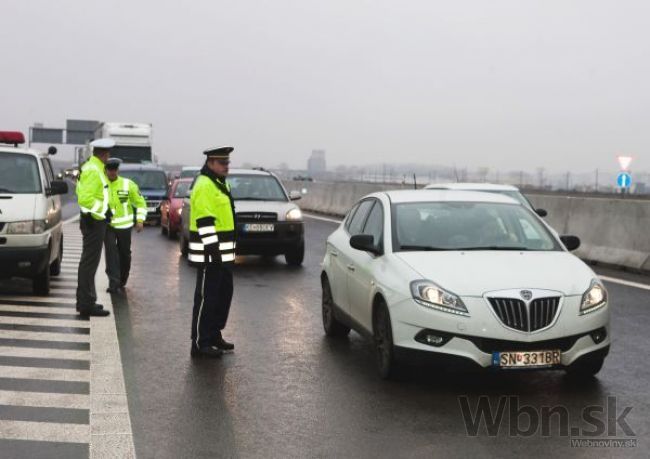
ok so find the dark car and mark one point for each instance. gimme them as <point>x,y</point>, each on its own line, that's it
<point>152,181</point>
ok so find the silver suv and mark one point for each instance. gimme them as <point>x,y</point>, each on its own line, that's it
<point>267,221</point>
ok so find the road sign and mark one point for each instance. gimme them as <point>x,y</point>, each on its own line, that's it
<point>624,162</point>
<point>624,180</point>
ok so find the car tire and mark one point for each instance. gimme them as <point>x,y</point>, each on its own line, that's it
<point>55,267</point>
<point>296,255</point>
<point>41,282</point>
<point>332,326</point>
<point>383,341</point>
<point>164,231</point>
<point>184,245</point>
<point>171,234</point>
<point>586,368</point>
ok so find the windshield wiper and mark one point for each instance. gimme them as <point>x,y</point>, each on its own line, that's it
<point>5,190</point>
<point>254,199</point>
<point>493,247</point>
<point>424,248</point>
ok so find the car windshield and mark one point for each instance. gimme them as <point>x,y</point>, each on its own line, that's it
<point>147,180</point>
<point>19,174</point>
<point>189,173</point>
<point>132,154</point>
<point>256,188</point>
<point>181,189</point>
<point>516,195</point>
<point>468,226</point>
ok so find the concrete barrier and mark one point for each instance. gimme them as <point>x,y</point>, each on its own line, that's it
<point>612,231</point>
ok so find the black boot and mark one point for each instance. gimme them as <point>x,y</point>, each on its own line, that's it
<point>223,344</point>
<point>94,310</point>
<point>97,305</point>
<point>211,352</point>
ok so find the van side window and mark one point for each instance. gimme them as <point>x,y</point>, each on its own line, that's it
<point>47,167</point>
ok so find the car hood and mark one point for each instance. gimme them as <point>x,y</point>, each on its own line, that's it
<point>19,207</point>
<point>279,207</point>
<point>475,273</point>
<point>153,194</point>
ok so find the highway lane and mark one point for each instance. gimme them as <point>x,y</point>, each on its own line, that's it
<point>287,391</point>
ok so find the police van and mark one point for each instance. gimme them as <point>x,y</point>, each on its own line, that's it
<point>31,227</point>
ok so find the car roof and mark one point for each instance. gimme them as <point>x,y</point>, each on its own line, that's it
<point>248,172</point>
<point>191,168</point>
<point>404,196</point>
<point>184,179</point>
<point>140,167</point>
<point>472,186</point>
<point>6,148</point>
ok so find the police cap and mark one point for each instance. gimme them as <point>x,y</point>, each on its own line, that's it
<point>113,163</point>
<point>102,144</point>
<point>219,152</point>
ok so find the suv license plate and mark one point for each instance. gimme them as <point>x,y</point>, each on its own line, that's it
<point>259,228</point>
<point>526,359</point>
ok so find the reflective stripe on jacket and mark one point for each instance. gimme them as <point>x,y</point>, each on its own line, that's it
<point>212,222</point>
<point>124,197</point>
<point>92,189</point>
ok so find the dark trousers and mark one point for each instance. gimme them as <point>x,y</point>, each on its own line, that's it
<point>93,232</point>
<point>212,299</point>
<point>117,244</point>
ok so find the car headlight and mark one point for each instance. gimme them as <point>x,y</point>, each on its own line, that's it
<point>26,227</point>
<point>432,296</point>
<point>294,214</point>
<point>180,211</point>
<point>594,298</point>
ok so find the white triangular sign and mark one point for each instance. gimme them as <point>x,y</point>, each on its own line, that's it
<point>624,162</point>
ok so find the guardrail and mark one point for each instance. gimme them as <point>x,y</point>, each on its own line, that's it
<point>612,230</point>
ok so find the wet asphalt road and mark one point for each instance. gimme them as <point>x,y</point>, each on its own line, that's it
<point>288,391</point>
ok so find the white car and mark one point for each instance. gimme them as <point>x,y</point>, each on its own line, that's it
<point>462,277</point>
<point>31,229</point>
<point>507,190</point>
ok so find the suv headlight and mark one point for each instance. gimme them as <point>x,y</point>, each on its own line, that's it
<point>294,215</point>
<point>26,227</point>
<point>594,298</point>
<point>432,296</point>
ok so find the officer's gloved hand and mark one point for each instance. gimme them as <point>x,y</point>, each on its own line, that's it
<point>212,254</point>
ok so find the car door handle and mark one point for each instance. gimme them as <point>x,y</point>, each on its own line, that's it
<point>334,253</point>
<point>351,267</point>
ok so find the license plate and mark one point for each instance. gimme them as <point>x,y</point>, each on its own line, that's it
<point>526,359</point>
<point>259,228</point>
<point>151,209</point>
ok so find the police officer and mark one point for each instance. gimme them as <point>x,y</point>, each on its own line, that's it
<point>212,244</point>
<point>124,197</point>
<point>92,195</point>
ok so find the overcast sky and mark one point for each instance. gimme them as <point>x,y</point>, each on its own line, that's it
<point>503,84</point>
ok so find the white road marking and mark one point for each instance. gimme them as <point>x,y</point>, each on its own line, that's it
<point>19,398</point>
<point>627,283</point>
<point>49,374</point>
<point>39,431</point>
<point>325,219</point>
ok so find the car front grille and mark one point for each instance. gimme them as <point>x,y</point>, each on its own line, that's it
<point>516,314</point>
<point>245,217</point>
<point>154,204</point>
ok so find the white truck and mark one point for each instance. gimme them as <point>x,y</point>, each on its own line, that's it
<point>133,142</point>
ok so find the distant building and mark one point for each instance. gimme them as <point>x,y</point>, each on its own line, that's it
<point>316,164</point>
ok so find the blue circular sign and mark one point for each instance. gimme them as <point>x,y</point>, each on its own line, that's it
<point>624,180</point>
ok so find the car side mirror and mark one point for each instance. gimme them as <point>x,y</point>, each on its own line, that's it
<point>58,187</point>
<point>541,212</point>
<point>365,243</point>
<point>294,195</point>
<point>52,150</point>
<point>570,242</point>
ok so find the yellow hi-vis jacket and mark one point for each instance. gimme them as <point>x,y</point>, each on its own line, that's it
<point>92,189</point>
<point>124,198</point>
<point>212,222</point>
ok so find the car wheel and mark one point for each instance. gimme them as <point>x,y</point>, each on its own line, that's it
<point>171,234</point>
<point>332,326</point>
<point>383,337</point>
<point>164,231</point>
<point>585,368</point>
<point>41,283</point>
<point>55,267</point>
<point>184,246</point>
<point>296,255</point>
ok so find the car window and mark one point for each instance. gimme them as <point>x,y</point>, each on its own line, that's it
<point>19,174</point>
<point>349,217</point>
<point>359,218</point>
<point>48,176</point>
<point>181,189</point>
<point>147,180</point>
<point>375,223</point>
<point>256,188</point>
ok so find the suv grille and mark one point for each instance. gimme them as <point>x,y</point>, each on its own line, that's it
<point>243,217</point>
<point>514,313</point>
